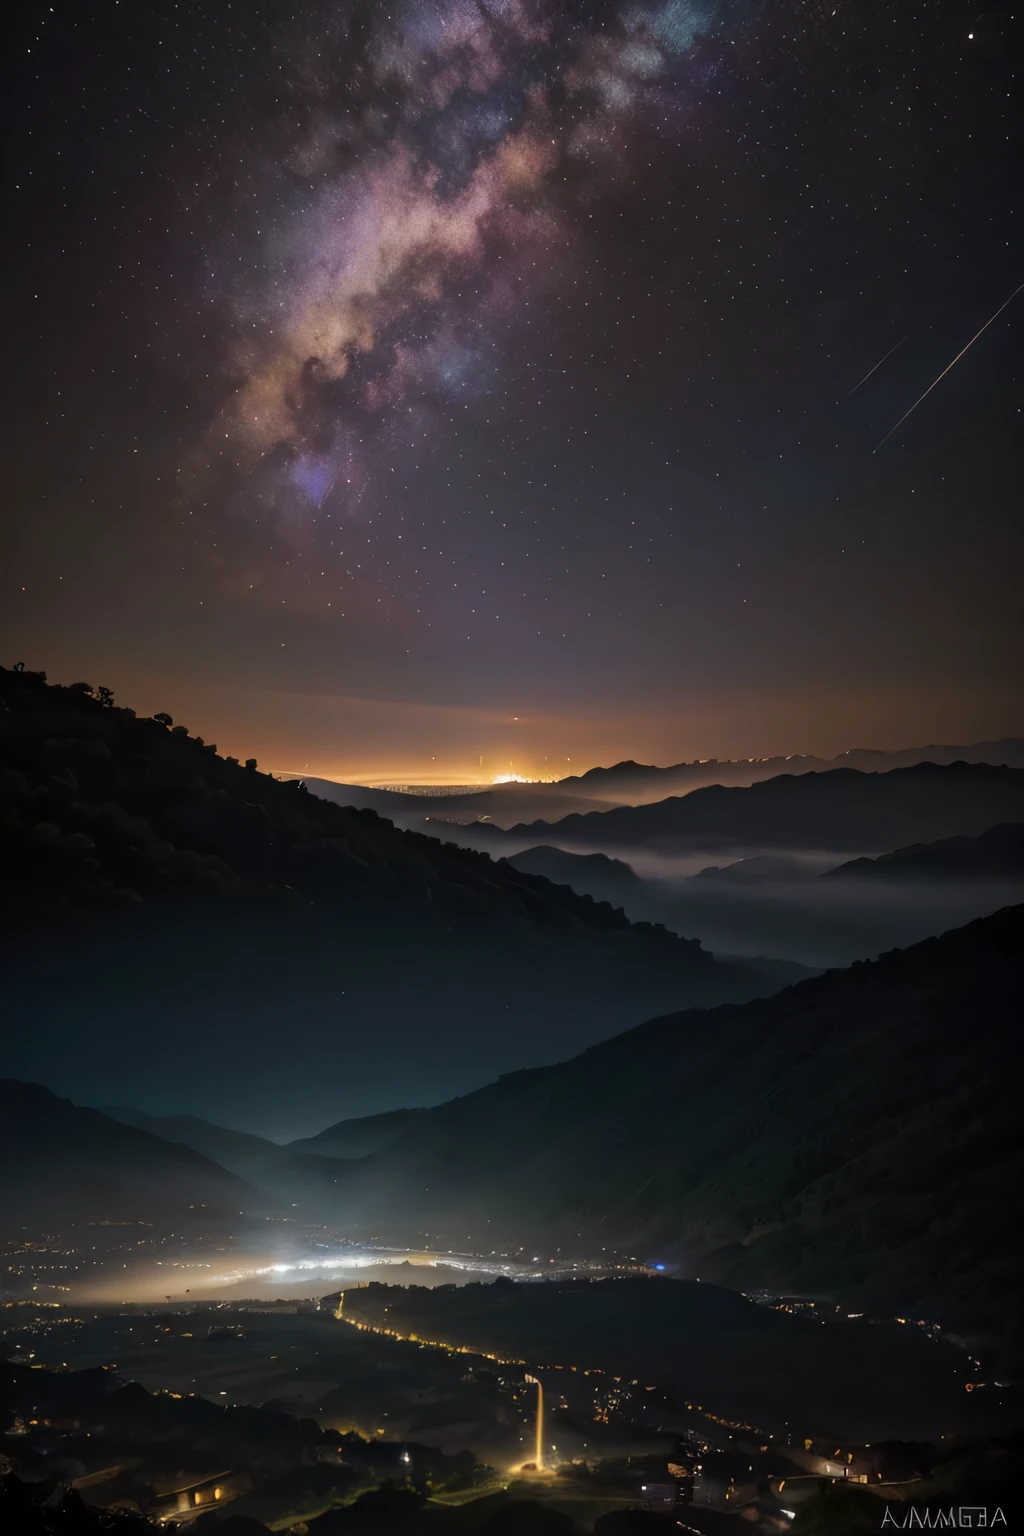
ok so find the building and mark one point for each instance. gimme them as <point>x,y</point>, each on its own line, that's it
<point>204,1493</point>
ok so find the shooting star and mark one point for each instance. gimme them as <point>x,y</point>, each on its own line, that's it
<point>878,365</point>
<point>945,370</point>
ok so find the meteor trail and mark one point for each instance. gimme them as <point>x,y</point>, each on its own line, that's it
<point>878,365</point>
<point>945,370</point>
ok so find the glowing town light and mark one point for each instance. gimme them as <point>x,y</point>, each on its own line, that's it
<point>539,1452</point>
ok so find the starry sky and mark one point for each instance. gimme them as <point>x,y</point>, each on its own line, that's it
<point>435,389</point>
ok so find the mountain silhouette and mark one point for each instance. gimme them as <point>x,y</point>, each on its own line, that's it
<point>358,1138</point>
<point>632,783</point>
<point>997,854</point>
<point>843,808</point>
<point>759,869</point>
<point>79,1165</point>
<point>795,1142</point>
<point>593,872</point>
<point>238,1151</point>
<point>636,783</point>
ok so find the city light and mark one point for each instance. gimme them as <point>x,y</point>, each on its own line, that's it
<point>518,778</point>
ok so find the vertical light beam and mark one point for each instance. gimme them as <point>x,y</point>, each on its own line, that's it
<point>539,1439</point>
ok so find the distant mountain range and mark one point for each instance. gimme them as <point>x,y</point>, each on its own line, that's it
<point>601,877</point>
<point>638,783</point>
<point>760,869</point>
<point>841,809</point>
<point>504,803</point>
<point>630,783</point>
<point>257,1158</point>
<point>237,1151</point>
<point>79,1165</point>
<point>776,904</point>
<point>997,854</point>
<point>121,1164</point>
<point>358,1138</point>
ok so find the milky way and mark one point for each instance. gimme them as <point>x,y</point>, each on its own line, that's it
<point>518,359</point>
<point>422,204</point>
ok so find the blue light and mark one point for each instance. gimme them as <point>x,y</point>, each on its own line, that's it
<point>659,1266</point>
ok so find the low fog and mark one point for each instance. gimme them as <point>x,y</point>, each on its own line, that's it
<point>798,917</point>
<point>816,922</point>
<point>244,1269</point>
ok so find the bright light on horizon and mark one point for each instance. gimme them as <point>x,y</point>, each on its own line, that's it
<point>518,778</point>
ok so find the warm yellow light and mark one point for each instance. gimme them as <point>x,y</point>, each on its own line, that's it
<point>539,1441</point>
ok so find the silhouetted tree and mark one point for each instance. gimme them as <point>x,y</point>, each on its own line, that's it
<point>163,719</point>
<point>250,763</point>
<point>106,697</point>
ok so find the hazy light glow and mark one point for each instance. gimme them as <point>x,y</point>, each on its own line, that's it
<point>518,778</point>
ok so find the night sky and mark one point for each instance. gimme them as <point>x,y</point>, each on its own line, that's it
<point>434,388</point>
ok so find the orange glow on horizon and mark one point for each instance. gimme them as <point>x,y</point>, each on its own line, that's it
<point>378,742</point>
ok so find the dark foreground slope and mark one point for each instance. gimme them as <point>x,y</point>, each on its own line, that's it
<point>144,876</point>
<point>857,1133</point>
<point>843,809</point>
<point>101,808</point>
<point>67,1164</point>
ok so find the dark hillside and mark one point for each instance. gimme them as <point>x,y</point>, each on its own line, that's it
<point>236,1150</point>
<point>797,1141</point>
<point>142,876</point>
<point>78,1165</point>
<point>705,1344</point>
